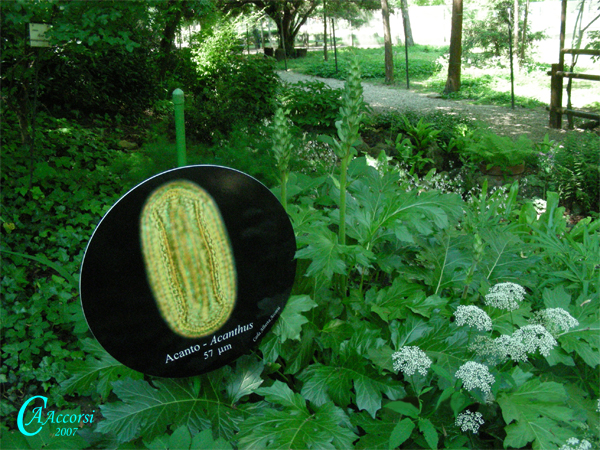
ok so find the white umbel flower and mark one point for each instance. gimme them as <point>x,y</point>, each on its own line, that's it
<point>475,375</point>
<point>411,359</point>
<point>575,444</point>
<point>555,320</point>
<point>506,296</point>
<point>473,316</point>
<point>499,350</point>
<point>469,421</point>
<point>535,337</point>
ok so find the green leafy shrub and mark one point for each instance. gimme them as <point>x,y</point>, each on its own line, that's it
<point>240,92</point>
<point>485,39</point>
<point>311,105</point>
<point>492,150</point>
<point>231,89</point>
<point>575,172</point>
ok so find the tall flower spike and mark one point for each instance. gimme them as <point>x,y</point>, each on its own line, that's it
<point>506,296</point>
<point>469,421</point>
<point>475,375</point>
<point>473,316</point>
<point>409,360</point>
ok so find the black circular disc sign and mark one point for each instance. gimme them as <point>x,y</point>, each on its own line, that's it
<point>188,271</point>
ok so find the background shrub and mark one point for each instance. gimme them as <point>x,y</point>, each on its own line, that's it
<point>311,104</point>
<point>576,172</point>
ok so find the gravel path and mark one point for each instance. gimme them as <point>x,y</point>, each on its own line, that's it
<point>504,121</point>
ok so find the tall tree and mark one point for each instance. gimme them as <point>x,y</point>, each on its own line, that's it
<point>387,36</point>
<point>454,66</point>
<point>289,15</point>
<point>169,16</point>
<point>325,57</point>
<point>406,21</point>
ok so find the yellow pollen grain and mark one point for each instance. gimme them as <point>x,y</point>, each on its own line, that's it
<point>188,258</point>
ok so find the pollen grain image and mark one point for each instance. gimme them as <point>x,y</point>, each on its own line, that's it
<point>188,258</point>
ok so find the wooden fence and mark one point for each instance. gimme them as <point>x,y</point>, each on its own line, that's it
<point>558,74</point>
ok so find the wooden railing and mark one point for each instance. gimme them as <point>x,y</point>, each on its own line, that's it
<point>558,74</point>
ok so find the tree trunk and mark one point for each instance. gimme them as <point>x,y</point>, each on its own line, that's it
<point>406,20</point>
<point>524,31</point>
<point>173,15</point>
<point>453,80</point>
<point>325,57</point>
<point>515,25</point>
<point>387,36</point>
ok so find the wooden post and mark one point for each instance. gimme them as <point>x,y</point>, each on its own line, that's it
<point>556,88</point>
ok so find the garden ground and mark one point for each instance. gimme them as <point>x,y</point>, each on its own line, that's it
<point>531,122</point>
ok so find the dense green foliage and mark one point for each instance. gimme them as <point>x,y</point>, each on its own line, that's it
<point>411,252</point>
<point>230,89</point>
<point>575,172</point>
<point>488,38</point>
<point>422,63</point>
<point>312,105</point>
<point>391,248</point>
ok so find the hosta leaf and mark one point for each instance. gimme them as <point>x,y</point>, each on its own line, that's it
<point>290,322</point>
<point>295,426</point>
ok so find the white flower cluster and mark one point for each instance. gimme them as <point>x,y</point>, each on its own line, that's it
<point>575,444</point>
<point>473,316</point>
<point>469,421</point>
<point>410,359</point>
<point>535,337</point>
<point>506,296</point>
<point>555,320</point>
<point>475,375</point>
<point>499,350</point>
<point>540,206</point>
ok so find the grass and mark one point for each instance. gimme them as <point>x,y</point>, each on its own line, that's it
<point>423,63</point>
<point>487,84</point>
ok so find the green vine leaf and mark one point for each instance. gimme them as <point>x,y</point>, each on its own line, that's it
<point>294,425</point>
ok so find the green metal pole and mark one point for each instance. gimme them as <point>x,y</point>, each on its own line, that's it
<point>179,127</point>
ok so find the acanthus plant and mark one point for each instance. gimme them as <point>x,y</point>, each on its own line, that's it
<point>401,330</point>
